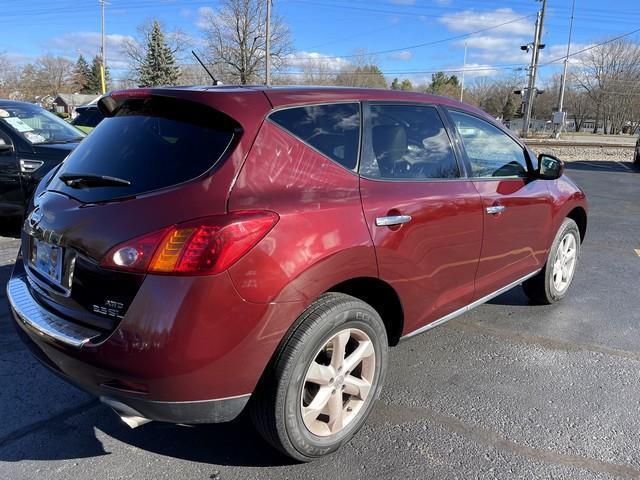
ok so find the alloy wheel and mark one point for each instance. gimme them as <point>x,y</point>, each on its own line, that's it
<point>338,382</point>
<point>565,263</point>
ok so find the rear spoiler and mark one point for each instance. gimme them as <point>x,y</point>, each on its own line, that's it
<point>109,103</point>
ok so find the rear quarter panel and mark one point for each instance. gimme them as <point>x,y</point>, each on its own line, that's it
<point>321,238</point>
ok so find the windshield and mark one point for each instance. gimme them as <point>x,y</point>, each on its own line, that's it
<point>37,125</point>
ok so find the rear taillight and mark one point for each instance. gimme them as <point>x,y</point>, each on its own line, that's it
<point>199,247</point>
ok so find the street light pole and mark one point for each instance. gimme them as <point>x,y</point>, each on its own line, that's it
<point>563,81</point>
<point>464,68</point>
<point>267,66</point>
<point>103,67</point>
<point>533,69</point>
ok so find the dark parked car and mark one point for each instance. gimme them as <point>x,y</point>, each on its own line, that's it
<point>32,142</point>
<point>207,250</point>
<point>89,116</point>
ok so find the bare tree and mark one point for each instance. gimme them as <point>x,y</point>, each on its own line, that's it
<point>607,73</point>
<point>235,37</point>
<point>54,74</point>
<point>579,106</point>
<point>9,78</point>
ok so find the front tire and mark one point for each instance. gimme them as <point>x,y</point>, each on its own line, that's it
<point>552,283</point>
<point>321,385</point>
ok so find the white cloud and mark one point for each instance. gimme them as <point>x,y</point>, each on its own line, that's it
<point>471,20</point>
<point>204,14</point>
<point>302,59</point>
<point>73,44</point>
<point>402,55</point>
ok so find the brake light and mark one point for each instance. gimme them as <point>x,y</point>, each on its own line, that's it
<point>200,247</point>
<point>131,93</point>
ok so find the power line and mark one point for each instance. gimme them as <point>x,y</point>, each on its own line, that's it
<point>591,47</point>
<point>420,45</point>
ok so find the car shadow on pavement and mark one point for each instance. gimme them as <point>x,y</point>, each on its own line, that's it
<point>235,443</point>
<point>602,166</point>
<point>89,430</point>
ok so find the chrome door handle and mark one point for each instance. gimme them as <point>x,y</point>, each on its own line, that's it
<point>495,209</point>
<point>30,166</point>
<point>392,220</point>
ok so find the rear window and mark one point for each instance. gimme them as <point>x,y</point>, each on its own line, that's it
<point>333,130</point>
<point>152,143</point>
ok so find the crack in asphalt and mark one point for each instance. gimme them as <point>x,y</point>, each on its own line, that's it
<point>45,423</point>
<point>554,344</point>
<point>385,413</point>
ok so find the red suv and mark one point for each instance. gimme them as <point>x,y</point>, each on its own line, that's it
<point>210,249</point>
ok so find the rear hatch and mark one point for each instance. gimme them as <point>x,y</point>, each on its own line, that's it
<point>162,158</point>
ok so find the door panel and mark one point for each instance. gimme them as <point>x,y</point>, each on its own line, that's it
<point>516,207</point>
<point>430,261</point>
<point>11,197</point>
<point>515,239</point>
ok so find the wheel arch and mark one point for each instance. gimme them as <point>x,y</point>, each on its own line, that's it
<point>382,297</point>
<point>579,215</point>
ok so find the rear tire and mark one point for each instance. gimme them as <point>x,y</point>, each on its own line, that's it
<point>314,398</point>
<point>552,283</point>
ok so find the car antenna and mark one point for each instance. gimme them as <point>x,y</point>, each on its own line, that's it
<point>215,82</point>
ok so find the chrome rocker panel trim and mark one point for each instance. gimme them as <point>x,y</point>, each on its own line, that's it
<point>469,307</point>
<point>35,318</point>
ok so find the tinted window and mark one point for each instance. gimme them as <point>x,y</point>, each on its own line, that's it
<point>491,152</point>
<point>88,118</point>
<point>333,130</point>
<point>408,142</point>
<point>153,143</point>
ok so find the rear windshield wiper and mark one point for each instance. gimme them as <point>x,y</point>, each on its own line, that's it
<point>90,180</point>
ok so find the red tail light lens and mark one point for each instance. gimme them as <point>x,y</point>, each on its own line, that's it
<point>200,247</point>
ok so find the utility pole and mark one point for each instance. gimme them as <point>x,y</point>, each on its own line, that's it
<point>563,82</point>
<point>533,69</point>
<point>267,59</point>
<point>103,67</point>
<point>464,68</point>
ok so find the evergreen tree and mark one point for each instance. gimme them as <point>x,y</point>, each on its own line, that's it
<point>406,85</point>
<point>94,80</point>
<point>395,85</point>
<point>81,73</point>
<point>159,65</point>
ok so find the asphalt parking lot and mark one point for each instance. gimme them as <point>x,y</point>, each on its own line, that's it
<point>506,391</point>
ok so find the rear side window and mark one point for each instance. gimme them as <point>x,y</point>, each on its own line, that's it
<point>408,142</point>
<point>333,130</point>
<point>153,143</point>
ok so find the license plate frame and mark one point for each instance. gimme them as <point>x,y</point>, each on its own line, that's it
<point>47,260</point>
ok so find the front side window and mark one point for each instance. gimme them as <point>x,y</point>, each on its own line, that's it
<point>408,142</point>
<point>333,130</point>
<point>491,152</point>
<point>38,126</point>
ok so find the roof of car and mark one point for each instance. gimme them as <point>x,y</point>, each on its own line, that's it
<point>15,103</point>
<point>285,96</point>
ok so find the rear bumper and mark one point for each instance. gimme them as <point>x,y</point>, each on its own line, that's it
<point>194,348</point>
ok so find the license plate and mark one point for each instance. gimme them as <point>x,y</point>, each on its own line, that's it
<point>47,260</point>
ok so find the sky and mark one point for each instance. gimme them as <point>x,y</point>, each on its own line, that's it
<point>410,38</point>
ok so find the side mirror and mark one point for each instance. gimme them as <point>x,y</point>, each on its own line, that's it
<point>549,167</point>
<point>6,149</point>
